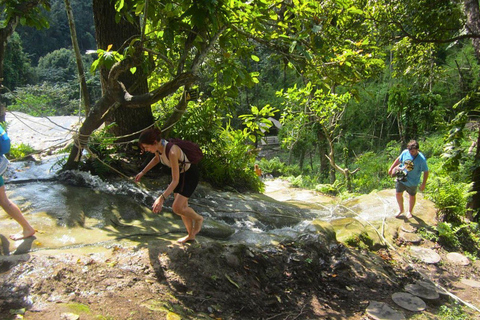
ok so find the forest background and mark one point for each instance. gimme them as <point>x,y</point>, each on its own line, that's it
<point>351,82</point>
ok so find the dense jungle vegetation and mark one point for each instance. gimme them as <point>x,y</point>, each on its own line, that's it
<point>350,82</point>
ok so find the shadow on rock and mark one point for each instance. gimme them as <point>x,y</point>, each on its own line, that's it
<point>20,255</point>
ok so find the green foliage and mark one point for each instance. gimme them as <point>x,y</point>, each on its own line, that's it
<point>228,157</point>
<point>57,66</point>
<point>274,166</point>
<point>361,241</point>
<point>20,151</point>
<point>44,100</point>
<point>450,197</point>
<point>332,189</point>
<point>373,174</point>
<point>17,68</point>
<point>38,43</point>
<point>257,123</point>
<point>105,58</point>
<point>454,312</point>
<point>102,145</point>
<point>29,15</point>
<point>429,233</point>
<point>447,235</point>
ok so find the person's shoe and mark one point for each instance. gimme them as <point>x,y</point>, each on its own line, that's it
<point>408,215</point>
<point>398,214</point>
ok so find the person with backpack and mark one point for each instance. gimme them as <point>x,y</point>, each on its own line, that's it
<point>11,208</point>
<point>182,157</point>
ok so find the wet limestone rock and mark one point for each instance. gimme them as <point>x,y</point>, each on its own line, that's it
<point>426,255</point>
<point>408,301</point>
<point>458,259</point>
<point>382,311</point>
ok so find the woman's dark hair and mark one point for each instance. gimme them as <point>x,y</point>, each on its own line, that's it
<point>150,136</point>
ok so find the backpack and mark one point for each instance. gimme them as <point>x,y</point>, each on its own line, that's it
<point>4,142</point>
<point>191,149</point>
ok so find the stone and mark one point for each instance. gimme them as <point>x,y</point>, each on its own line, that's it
<point>410,237</point>
<point>69,316</point>
<point>458,259</point>
<point>382,311</point>
<point>406,227</point>
<point>423,290</point>
<point>470,282</point>
<point>426,255</point>
<point>408,301</point>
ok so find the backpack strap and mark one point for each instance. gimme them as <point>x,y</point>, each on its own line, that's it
<point>167,152</point>
<point>181,163</point>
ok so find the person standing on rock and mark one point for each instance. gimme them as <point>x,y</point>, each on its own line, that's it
<point>185,177</point>
<point>11,208</point>
<point>408,168</point>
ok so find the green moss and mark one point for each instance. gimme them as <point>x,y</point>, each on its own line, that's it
<point>79,308</point>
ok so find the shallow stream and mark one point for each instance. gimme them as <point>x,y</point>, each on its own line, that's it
<point>76,209</point>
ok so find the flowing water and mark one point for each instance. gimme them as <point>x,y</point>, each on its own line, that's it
<point>76,209</point>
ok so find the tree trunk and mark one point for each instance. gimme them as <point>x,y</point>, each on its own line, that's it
<point>474,203</point>
<point>472,11</point>
<point>302,158</point>
<point>81,72</point>
<point>132,119</point>
<point>322,151</point>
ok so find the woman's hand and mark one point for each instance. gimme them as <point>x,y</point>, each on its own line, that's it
<point>139,176</point>
<point>158,205</point>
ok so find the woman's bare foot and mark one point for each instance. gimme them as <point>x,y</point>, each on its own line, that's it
<point>25,234</point>
<point>186,239</point>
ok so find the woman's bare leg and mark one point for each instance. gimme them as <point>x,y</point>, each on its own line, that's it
<point>13,211</point>
<point>192,220</point>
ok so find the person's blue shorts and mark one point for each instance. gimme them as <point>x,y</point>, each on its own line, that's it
<point>400,187</point>
<point>2,183</point>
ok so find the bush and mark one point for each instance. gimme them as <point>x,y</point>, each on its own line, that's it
<point>229,158</point>
<point>450,198</point>
<point>19,151</point>
<point>373,174</point>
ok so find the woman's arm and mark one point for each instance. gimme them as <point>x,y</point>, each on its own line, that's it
<point>173,156</point>
<point>148,167</point>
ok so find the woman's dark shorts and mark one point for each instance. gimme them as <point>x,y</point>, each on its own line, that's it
<point>188,181</point>
<point>400,187</point>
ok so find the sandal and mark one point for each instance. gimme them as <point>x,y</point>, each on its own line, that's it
<point>398,214</point>
<point>408,215</point>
